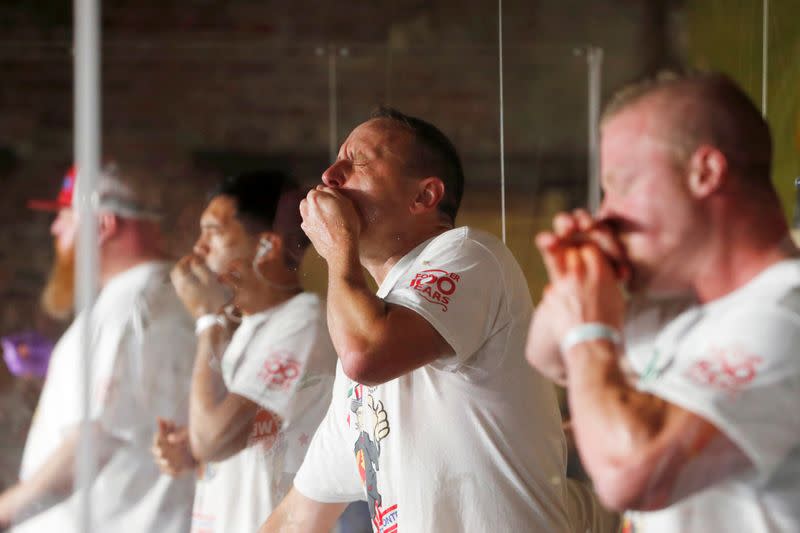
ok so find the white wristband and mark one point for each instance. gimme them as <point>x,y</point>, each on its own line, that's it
<point>206,321</point>
<point>590,331</point>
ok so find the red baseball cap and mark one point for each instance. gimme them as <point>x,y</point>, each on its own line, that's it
<point>64,198</point>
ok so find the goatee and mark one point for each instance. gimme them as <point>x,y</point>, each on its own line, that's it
<point>58,297</point>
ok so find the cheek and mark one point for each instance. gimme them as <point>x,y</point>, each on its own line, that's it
<point>218,250</point>
<point>65,239</point>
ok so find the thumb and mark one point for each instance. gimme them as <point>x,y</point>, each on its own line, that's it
<point>176,437</point>
<point>164,425</point>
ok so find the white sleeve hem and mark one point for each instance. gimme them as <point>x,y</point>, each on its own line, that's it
<point>449,363</point>
<point>764,466</point>
<point>320,497</point>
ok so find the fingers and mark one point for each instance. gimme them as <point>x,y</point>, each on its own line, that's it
<point>304,208</point>
<point>609,245</point>
<point>199,270</point>
<point>552,254</point>
<point>165,452</point>
<point>597,265</point>
<point>573,260</point>
<point>178,437</point>
<point>564,225</point>
<point>165,425</point>
<point>583,220</point>
<point>576,229</point>
<point>180,270</point>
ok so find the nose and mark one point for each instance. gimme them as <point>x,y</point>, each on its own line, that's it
<point>57,227</point>
<point>335,176</point>
<point>201,248</point>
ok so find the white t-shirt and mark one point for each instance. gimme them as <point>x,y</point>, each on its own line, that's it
<point>734,362</point>
<point>143,346</point>
<point>468,443</point>
<point>283,360</point>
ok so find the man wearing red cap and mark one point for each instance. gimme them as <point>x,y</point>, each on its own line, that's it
<point>58,294</point>
<point>139,335</point>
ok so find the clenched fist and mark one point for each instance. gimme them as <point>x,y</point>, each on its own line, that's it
<point>198,287</point>
<point>331,221</point>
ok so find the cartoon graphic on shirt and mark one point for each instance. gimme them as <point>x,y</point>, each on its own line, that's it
<point>628,525</point>
<point>372,424</point>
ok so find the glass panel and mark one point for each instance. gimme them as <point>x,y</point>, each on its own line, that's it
<point>183,109</point>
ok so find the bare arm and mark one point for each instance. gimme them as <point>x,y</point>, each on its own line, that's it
<point>299,514</point>
<point>376,341</point>
<point>641,451</point>
<point>54,480</point>
<point>219,421</point>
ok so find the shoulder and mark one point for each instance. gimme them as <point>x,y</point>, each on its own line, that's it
<point>771,299</point>
<point>155,302</point>
<point>467,246</point>
<point>303,314</point>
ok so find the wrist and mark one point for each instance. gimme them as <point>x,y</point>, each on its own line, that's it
<point>11,503</point>
<point>206,322</point>
<point>589,332</point>
<point>345,262</point>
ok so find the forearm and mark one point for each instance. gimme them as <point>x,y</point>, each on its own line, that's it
<point>618,430</point>
<point>376,341</point>
<point>356,317</point>
<point>206,430</point>
<point>299,514</point>
<point>51,483</point>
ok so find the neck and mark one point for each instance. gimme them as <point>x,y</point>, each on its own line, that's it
<point>742,251</point>
<point>114,264</point>
<point>267,298</point>
<point>134,243</point>
<point>380,259</point>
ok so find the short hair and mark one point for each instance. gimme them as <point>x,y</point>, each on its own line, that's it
<point>436,155</point>
<point>706,107</point>
<point>268,200</point>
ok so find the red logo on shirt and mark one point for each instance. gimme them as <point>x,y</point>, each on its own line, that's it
<point>386,519</point>
<point>727,369</point>
<point>266,426</point>
<point>280,371</point>
<point>435,285</point>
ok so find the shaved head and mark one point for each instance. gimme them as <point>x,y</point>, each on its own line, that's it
<point>700,108</point>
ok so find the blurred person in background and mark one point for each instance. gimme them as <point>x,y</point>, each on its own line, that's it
<point>259,392</point>
<point>700,431</point>
<point>27,354</point>
<point>139,334</point>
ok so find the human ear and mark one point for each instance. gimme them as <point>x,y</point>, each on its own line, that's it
<point>708,169</point>
<point>268,247</point>
<point>430,192</point>
<point>107,226</point>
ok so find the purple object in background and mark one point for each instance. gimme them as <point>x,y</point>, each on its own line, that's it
<point>27,353</point>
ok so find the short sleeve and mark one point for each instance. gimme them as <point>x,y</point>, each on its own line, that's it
<point>329,472</point>
<point>457,287</point>
<point>742,374</point>
<point>274,368</point>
